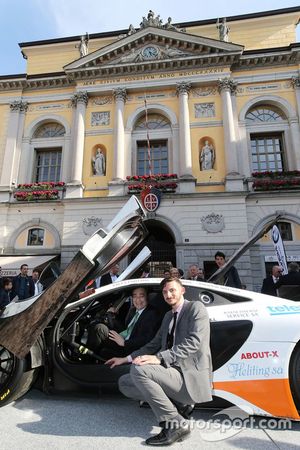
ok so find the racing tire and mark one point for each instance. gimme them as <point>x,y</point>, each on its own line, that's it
<point>294,375</point>
<point>15,381</point>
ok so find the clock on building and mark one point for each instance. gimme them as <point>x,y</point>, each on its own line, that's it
<point>150,52</point>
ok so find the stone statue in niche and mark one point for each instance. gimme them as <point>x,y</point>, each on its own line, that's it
<point>99,163</point>
<point>207,157</point>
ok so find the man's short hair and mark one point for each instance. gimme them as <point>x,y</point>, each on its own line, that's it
<point>23,265</point>
<point>141,287</point>
<point>221,254</point>
<point>37,271</point>
<point>169,280</point>
<point>6,281</point>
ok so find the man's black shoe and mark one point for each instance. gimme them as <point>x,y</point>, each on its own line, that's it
<point>168,436</point>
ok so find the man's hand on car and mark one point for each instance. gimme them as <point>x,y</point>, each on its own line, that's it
<point>114,362</point>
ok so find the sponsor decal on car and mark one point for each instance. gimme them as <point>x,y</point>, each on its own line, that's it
<point>260,355</point>
<point>241,314</point>
<point>283,310</point>
<point>241,370</point>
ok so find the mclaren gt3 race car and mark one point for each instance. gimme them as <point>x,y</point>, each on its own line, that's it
<point>255,338</point>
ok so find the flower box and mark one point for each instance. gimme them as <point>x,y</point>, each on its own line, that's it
<point>276,184</point>
<point>36,195</point>
<point>165,182</point>
<point>275,175</point>
<point>39,186</point>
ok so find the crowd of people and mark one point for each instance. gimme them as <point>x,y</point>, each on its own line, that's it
<point>20,287</point>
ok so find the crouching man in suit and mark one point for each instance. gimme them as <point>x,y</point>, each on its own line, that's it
<point>173,371</point>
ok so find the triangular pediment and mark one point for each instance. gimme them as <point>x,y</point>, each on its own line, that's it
<point>156,47</point>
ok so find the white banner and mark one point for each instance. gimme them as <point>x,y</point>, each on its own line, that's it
<point>279,248</point>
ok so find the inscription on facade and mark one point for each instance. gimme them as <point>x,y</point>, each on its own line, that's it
<point>100,118</point>
<point>156,76</point>
<point>204,110</point>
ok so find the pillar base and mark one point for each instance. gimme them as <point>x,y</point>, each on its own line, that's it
<point>117,188</point>
<point>234,182</point>
<point>186,184</point>
<point>74,190</point>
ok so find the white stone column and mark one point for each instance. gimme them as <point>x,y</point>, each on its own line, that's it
<point>185,153</point>
<point>187,181</point>
<point>75,187</point>
<point>227,87</point>
<point>117,185</point>
<point>119,148</point>
<point>296,85</point>
<point>295,135</point>
<point>13,144</point>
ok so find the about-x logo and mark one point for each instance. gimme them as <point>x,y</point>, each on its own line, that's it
<point>260,355</point>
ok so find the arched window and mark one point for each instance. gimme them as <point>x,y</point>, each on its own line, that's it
<point>48,154</point>
<point>154,122</point>
<point>152,154</point>
<point>49,130</point>
<point>267,144</point>
<point>264,113</point>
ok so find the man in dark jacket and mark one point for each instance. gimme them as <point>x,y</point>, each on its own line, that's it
<point>231,278</point>
<point>111,276</point>
<point>23,284</point>
<point>7,293</point>
<point>269,282</point>
<point>292,278</point>
<point>141,323</point>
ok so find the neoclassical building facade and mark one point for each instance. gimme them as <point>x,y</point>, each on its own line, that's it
<point>217,105</point>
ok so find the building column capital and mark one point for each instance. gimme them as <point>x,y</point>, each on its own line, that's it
<point>183,87</point>
<point>296,82</point>
<point>80,97</point>
<point>120,94</point>
<point>227,84</point>
<point>19,106</point>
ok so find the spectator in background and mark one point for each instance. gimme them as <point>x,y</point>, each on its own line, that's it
<point>174,273</point>
<point>195,273</point>
<point>268,286</point>
<point>146,272</point>
<point>38,287</point>
<point>166,273</point>
<point>181,273</point>
<point>6,293</point>
<point>23,285</point>
<point>111,276</point>
<point>231,278</point>
<point>292,278</point>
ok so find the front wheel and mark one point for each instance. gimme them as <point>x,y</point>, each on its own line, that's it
<point>14,380</point>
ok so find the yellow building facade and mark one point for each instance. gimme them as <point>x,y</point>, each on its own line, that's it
<point>212,105</point>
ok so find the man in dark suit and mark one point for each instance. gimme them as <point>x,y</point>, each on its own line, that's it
<point>142,322</point>
<point>174,368</point>
<point>292,278</point>
<point>268,286</point>
<point>23,285</point>
<point>231,278</point>
<point>111,276</point>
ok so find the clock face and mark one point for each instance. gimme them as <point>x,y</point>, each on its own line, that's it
<point>150,52</point>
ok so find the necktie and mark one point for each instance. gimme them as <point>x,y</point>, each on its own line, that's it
<point>126,333</point>
<point>170,337</point>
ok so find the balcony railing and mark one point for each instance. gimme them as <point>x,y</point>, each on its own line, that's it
<point>270,181</point>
